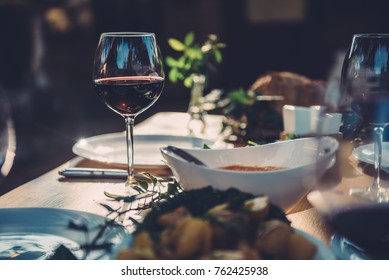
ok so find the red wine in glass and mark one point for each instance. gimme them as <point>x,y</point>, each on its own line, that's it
<point>129,95</point>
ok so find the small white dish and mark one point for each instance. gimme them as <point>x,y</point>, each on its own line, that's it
<point>111,148</point>
<point>297,119</point>
<point>310,120</point>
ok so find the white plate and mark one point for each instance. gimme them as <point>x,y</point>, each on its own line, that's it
<point>35,233</point>
<point>111,148</point>
<point>365,153</point>
<point>323,251</point>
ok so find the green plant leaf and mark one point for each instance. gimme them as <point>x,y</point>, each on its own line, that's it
<point>173,187</point>
<point>107,207</point>
<point>252,143</point>
<point>188,81</point>
<point>218,55</point>
<point>194,53</point>
<point>181,62</point>
<point>189,39</point>
<point>212,37</point>
<point>220,45</point>
<point>188,64</point>
<point>153,179</point>
<point>206,147</point>
<point>136,222</point>
<point>239,96</point>
<point>180,75</point>
<point>173,75</point>
<point>171,62</point>
<point>176,45</point>
<point>143,184</point>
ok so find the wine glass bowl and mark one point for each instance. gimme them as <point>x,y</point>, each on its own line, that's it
<point>365,90</point>
<point>128,76</point>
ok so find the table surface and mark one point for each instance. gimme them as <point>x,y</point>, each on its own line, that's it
<point>53,190</point>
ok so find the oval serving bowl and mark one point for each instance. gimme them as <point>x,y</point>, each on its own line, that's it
<point>304,160</point>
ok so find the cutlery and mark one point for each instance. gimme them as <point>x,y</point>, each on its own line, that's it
<point>183,154</point>
<point>81,172</point>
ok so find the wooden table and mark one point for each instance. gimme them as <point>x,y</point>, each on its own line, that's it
<point>53,190</point>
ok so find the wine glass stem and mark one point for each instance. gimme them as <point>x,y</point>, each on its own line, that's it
<point>378,131</point>
<point>130,150</point>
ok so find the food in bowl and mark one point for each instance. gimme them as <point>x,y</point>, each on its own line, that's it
<point>238,167</point>
<point>213,224</point>
<point>305,160</point>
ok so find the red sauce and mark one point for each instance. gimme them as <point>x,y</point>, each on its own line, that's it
<point>238,167</point>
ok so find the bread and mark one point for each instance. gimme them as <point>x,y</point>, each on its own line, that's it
<point>294,88</point>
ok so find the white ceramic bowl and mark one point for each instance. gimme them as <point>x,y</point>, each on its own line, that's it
<point>305,159</point>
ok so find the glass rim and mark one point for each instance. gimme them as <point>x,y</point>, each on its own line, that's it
<point>127,34</point>
<point>371,35</point>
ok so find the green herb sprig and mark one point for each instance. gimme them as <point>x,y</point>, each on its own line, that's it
<point>114,213</point>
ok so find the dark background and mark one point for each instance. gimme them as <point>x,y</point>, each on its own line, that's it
<point>47,48</point>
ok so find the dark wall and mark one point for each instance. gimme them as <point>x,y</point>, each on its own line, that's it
<point>307,47</point>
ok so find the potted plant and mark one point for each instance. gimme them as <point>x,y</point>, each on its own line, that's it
<point>192,68</point>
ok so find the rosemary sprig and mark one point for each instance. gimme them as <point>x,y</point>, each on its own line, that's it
<point>152,184</point>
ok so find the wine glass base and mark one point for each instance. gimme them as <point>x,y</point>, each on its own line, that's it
<point>124,191</point>
<point>379,195</point>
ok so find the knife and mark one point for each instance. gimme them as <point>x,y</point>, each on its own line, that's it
<point>82,172</point>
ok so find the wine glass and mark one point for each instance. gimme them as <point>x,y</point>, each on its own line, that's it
<point>128,76</point>
<point>7,136</point>
<point>365,88</point>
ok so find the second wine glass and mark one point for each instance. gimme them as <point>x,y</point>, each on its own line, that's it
<point>365,85</point>
<point>128,76</point>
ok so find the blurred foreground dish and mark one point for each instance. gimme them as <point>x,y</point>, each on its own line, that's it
<point>212,224</point>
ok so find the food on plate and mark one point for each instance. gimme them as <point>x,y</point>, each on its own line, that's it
<point>237,167</point>
<point>212,224</point>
